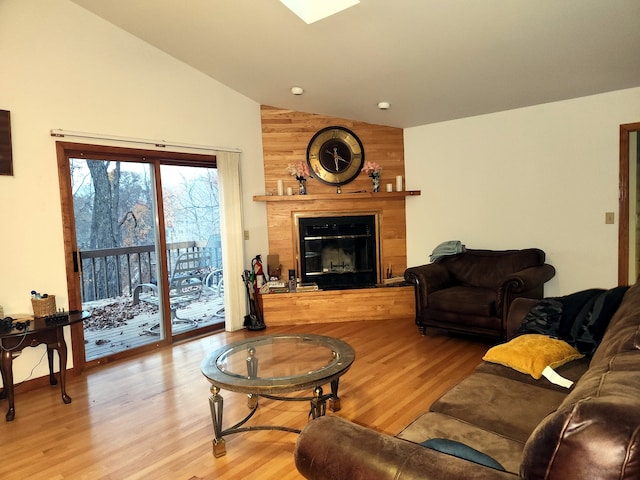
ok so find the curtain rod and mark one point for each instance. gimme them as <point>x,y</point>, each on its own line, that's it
<point>142,141</point>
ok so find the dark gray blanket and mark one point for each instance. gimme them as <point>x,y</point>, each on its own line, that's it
<point>579,319</point>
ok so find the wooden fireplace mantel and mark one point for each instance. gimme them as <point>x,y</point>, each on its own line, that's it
<point>336,196</point>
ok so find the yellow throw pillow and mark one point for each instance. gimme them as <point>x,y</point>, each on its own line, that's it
<point>532,353</point>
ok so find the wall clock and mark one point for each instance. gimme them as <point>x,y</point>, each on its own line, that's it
<point>335,155</point>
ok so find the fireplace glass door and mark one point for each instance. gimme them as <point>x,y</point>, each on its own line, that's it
<point>338,252</point>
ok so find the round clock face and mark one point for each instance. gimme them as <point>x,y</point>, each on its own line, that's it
<point>335,155</point>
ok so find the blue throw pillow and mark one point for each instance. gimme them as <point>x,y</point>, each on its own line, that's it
<point>461,450</point>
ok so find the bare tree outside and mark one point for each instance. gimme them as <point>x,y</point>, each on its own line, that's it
<point>191,203</point>
<point>113,204</point>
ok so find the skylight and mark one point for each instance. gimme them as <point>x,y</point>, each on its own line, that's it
<point>313,10</point>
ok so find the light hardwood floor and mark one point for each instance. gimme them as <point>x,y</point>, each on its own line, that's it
<point>148,417</point>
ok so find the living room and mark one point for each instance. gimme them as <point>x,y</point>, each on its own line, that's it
<point>538,176</point>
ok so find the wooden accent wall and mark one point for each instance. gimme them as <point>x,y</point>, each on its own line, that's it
<point>285,136</point>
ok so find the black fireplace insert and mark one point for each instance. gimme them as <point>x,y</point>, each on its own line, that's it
<point>338,252</point>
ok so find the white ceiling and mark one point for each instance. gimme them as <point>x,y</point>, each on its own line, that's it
<point>432,60</point>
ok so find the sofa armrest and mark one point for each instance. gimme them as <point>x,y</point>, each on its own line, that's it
<point>331,448</point>
<point>528,282</point>
<point>529,279</point>
<point>518,310</point>
<point>428,278</point>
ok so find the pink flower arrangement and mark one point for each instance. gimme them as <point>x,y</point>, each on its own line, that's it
<point>299,169</point>
<point>371,168</point>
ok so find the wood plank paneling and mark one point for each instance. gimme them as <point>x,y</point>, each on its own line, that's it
<point>285,136</point>
<point>339,306</point>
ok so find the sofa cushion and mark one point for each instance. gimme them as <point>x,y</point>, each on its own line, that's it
<point>460,450</point>
<point>571,371</point>
<point>532,353</point>
<point>436,425</point>
<point>500,405</point>
<point>618,378</point>
<point>468,300</point>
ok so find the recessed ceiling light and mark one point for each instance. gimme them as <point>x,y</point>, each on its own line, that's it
<point>313,10</point>
<point>384,105</point>
<point>297,90</point>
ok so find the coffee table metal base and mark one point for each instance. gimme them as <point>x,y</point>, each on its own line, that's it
<point>289,363</point>
<point>318,408</point>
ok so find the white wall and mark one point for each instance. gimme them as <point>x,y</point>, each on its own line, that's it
<point>542,176</point>
<point>64,68</point>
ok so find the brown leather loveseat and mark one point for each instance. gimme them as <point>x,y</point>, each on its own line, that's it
<point>534,429</point>
<point>470,292</point>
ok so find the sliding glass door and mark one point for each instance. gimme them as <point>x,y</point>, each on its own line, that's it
<point>194,256</point>
<point>116,239</point>
<point>147,248</point>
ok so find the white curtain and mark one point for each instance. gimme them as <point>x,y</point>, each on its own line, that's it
<point>235,302</point>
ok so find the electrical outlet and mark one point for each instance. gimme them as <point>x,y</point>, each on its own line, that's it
<point>609,218</point>
<point>246,234</point>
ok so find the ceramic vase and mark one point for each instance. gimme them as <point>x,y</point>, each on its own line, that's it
<point>376,182</point>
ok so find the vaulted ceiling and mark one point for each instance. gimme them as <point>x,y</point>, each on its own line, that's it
<point>432,60</point>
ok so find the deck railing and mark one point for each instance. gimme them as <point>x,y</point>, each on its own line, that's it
<point>115,272</point>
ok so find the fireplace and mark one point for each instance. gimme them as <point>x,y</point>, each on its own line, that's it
<point>338,252</point>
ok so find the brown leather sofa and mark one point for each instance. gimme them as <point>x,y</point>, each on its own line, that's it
<point>471,292</point>
<point>533,428</point>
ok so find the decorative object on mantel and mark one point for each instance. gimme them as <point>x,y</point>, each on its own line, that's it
<point>373,170</point>
<point>301,171</point>
<point>334,197</point>
<point>398,183</point>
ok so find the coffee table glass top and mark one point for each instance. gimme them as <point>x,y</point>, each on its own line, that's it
<point>283,362</point>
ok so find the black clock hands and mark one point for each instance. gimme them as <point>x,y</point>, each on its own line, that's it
<point>336,157</point>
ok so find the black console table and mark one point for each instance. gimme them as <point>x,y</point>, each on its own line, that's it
<point>30,331</point>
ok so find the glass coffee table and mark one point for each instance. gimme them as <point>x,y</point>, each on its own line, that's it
<point>269,366</point>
